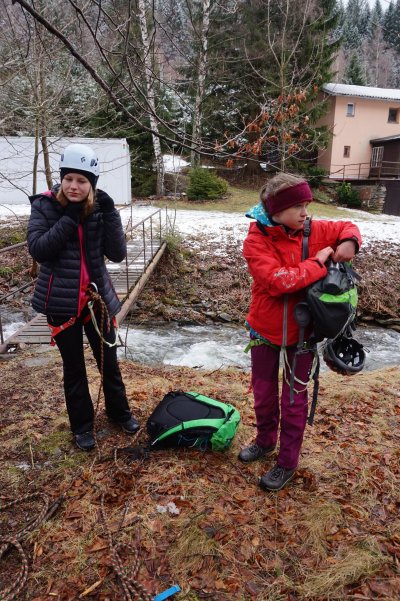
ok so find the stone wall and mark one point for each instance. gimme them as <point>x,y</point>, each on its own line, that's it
<point>372,196</point>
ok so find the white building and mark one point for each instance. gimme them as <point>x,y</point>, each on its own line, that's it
<point>16,166</point>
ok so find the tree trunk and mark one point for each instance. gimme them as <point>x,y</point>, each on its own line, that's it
<point>35,159</point>
<point>148,73</point>
<point>201,77</point>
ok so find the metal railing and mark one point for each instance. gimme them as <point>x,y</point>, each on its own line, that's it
<point>151,231</point>
<point>384,169</point>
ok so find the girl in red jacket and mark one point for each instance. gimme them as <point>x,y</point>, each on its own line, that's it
<point>273,249</point>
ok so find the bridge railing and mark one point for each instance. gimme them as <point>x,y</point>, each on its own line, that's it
<point>150,232</point>
<point>149,235</point>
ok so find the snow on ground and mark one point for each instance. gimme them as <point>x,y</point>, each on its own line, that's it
<point>174,163</point>
<point>373,227</point>
<point>215,223</point>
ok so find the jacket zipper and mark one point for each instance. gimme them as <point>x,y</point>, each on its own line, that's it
<point>48,291</point>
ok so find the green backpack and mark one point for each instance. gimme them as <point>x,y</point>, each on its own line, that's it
<point>190,419</point>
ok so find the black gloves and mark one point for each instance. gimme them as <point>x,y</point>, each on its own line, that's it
<point>73,210</point>
<point>104,202</point>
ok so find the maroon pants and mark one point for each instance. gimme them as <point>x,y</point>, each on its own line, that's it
<point>269,412</point>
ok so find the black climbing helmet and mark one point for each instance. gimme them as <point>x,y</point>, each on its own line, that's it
<point>344,355</point>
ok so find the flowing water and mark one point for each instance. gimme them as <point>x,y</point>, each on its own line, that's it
<point>213,346</point>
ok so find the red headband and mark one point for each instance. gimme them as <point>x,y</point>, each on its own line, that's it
<point>289,197</point>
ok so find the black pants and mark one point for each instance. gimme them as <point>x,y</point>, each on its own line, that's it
<point>76,388</point>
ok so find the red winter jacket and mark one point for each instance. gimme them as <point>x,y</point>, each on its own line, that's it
<point>280,276</point>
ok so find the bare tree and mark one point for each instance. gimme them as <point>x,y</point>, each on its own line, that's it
<point>201,79</point>
<point>150,85</point>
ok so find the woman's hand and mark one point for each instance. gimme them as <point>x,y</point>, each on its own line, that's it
<point>345,251</point>
<point>74,209</point>
<point>324,254</point>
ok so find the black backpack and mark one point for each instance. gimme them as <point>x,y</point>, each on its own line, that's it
<point>190,419</point>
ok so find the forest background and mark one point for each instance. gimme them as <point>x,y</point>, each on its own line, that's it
<point>235,83</point>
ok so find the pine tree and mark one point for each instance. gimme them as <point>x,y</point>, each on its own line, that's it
<point>355,24</point>
<point>355,73</point>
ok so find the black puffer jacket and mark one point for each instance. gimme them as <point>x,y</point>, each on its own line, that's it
<point>53,241</point>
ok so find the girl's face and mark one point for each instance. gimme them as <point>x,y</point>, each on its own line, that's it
<point>293,217</point>
<point>76,187</point>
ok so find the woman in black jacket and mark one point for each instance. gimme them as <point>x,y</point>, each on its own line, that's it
<point>71,228</point>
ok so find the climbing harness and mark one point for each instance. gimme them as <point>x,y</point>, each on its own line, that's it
<point>93,293</point>
<point>303,318</point>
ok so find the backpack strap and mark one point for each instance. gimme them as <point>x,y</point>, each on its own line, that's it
<point>301,343</point>
<point>262,228</point>
<point>306,235</point>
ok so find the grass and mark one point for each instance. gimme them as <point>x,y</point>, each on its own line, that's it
<point>239,200</point>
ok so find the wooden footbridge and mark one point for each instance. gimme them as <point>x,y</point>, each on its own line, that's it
<point>146,242</point>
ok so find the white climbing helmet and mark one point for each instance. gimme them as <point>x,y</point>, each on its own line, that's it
<point>81,158</point>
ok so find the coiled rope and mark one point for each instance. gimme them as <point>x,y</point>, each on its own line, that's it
<point>132,589</point>
<point>7,542</point>
<point>95,297</point>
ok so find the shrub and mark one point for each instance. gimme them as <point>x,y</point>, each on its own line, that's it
<point>348,195</point>
<point>205,185</point>
<point>144,182</point>
<point>315,175</point>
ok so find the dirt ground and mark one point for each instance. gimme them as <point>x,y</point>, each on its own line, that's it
<point>204,280</point>
<point>198,519</point>
<point>192,518</point>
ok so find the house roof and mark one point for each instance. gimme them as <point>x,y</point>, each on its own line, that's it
<point>387,139</point>
<point>341,89</point>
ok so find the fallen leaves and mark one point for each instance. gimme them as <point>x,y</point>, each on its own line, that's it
<point>230,540</point>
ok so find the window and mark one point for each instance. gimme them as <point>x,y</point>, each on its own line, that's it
<point>346,152</point>
<point>377,156</point>
<point>351,109</point>
<point>393,116</point>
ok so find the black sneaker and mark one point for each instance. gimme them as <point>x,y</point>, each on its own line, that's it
<point>254,452</point>
<point>85,441</point>
<point>276,478</point>
<point>131,426</point>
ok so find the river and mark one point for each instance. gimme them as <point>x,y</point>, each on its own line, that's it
<point>213,346</point>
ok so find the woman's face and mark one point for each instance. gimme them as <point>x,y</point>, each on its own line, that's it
<point>293,217</point>
<point>76,187</point>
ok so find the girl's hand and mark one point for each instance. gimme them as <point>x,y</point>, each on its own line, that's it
<point>324,254</point>
<point>345,251</point>
<point>73,210</point>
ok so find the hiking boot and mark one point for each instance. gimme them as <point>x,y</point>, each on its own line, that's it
<point>254,452</point>
<point>85,441</point>
<point>276,478</point>
<point>130,427</point>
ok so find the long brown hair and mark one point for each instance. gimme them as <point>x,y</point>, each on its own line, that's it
<point>88,206</point>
